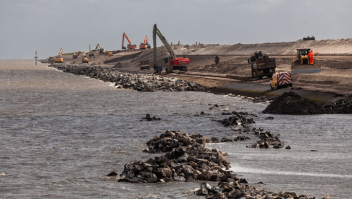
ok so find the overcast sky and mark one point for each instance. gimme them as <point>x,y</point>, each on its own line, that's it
<point>48,25</point>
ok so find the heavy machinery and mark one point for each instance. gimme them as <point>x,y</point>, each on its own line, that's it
<point>303,62</point>
<point>262,65</point>
<point>51,59</point>
<point>85,59</point>
<point>129,45</point>
<point>145,44</point>
<point>101,50</point>
<point>58,59</point>
<point>144,64</point>
<point>281,79</point>
<point>76,55</point>
<point>171,62</point>
<point>110,54</point>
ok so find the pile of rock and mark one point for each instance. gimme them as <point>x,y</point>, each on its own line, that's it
<point>267,140</point>
<point>342,106</point>
<point>237,119</point>
<point>290,103</point>
<point>186,159</point>
<point>235,190</point>
<point>170,140</point>
<point>150,118</point>
<point>139,82</point>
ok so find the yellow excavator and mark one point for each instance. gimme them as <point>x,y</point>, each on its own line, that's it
<point>75,55</point>
<point>85,59</point>
<point>59,59</point>
<point>303,62</point>
<point>101,50</point>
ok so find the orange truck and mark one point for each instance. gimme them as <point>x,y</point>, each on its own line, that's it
<point>281,79</point>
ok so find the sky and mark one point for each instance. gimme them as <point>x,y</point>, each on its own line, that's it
<point>45,26</point>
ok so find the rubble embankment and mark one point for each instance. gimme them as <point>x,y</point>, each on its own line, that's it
<point>290,103</point>
<point>139,82</point>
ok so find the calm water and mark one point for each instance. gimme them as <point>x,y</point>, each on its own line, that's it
<point>61,134</point>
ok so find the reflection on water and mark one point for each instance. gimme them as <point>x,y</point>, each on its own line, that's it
<point>61,134</point>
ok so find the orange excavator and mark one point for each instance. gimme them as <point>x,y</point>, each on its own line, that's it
<point>145,44</point>
<point>129,46</point>
<point>59,59</point>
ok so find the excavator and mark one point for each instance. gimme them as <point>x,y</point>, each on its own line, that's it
<point>129,46</point>
<point>85,58</point>
<point>171,62</point>
<point>303,62</point>
<point>145,44</point>
<point>101,50</point>
<point>76,55</point>
<point>59,59</point>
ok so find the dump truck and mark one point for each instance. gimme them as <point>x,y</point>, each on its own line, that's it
<point>144,64</point>
<point>262,65</point>
<point>280,79</point>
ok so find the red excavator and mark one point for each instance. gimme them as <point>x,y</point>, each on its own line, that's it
<point>145,44</point>
<point>129,46</point>
<point>171,62</point>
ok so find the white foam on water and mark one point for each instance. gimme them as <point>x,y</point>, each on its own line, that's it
<point>240,169</point>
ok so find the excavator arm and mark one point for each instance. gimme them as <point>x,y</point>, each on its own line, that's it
<point>156,32</point>
<point>60,53</point>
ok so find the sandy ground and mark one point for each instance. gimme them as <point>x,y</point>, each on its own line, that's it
<point>335,58</point>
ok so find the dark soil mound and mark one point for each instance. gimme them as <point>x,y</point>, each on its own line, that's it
<point>292,104</point>
<point>342,106</point>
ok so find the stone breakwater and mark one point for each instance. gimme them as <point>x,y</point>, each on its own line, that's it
<point>186,159</point>
<point>139,82</point>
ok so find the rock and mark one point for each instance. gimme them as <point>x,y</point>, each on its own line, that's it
<point>113,173</point>
<point>288,147</point>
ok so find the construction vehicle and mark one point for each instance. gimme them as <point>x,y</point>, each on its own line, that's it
<point>51,59</point>
<point>110,54</point>
<point>76,55</point>
<point>145,44</point>
<point>85,58</point>
<point>262,65</point>
<point>303,62</point>
<point>171,62</point>
<point>309,38</point>
<point>144,64</point>
<point>280,79</point>
<point>101,50</point>
<point>129,45</point>
<point>58,59</point>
